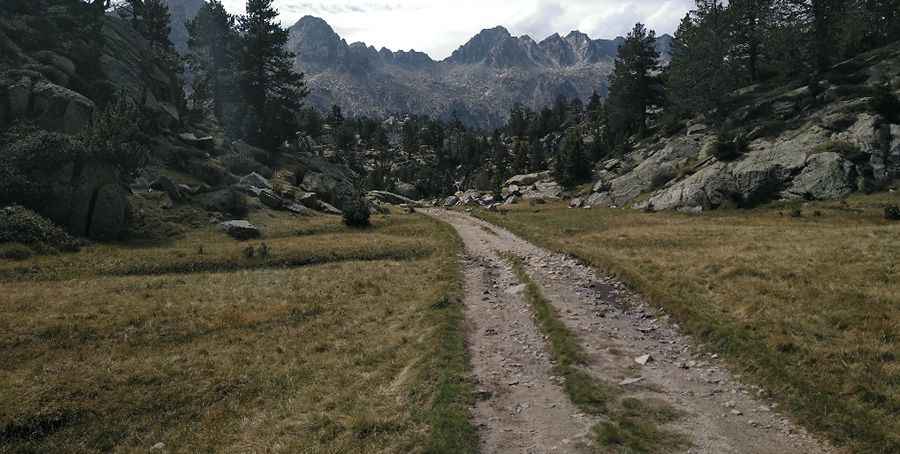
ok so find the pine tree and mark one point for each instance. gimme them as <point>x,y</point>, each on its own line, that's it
<point>518,121</point>
<point>748,20</point>
<point>702,71</point>
<point>213,48</point>
<point>572,165</point>
<point>271,90</point>
<point>634,87</point>
<point>520,157</point>
<point>594,106</point>
<point>151,18</point>
<point>537,159</point>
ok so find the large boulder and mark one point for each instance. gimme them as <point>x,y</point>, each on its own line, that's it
<point>241,229</point>
<point>252,184</point>
<point>331,182</point>
<point>205,142</point>
<point>528,179</point>
<point>165,184</point>
<point>708,188</point>
<point>26,95</point>
<point>73,196</point>
<point>60,109</point>
<point>406,190</point>
<point>826,176</point>
<point>542,190</point>
<point>109,217</point>
<point>270,199</point>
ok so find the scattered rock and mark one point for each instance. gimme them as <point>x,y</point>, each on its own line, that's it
<point>205,142</point>
<point>643,359</point>
<point>241,229</point>
<point>255,180</point>
<point>165,184</point>
<point>270,199</point>
<point>630,381</point>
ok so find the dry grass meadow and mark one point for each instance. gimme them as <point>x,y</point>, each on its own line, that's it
<point>801,299</point>
<point>339,341</point>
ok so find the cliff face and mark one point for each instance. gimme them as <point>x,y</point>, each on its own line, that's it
<point>478,83</point>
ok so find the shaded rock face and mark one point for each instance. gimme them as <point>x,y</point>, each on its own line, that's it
<point>88,200</point>
<point>379,83</point>
<point>330,182</point>
<point>110,213</point>
<point>28,96</point>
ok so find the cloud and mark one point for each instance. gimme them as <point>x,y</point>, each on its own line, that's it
<point>438,27</point>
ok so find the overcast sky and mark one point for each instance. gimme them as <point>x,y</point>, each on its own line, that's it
<point>438,27</point>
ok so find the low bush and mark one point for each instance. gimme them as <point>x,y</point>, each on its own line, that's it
<point>356,211</point>
<point>15,251</point>
<point>729,146</point>
<point>892,213</point>
<point>24,227</point>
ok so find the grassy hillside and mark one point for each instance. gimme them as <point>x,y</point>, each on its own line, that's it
<point>804,300</point>
<point>339,341</point>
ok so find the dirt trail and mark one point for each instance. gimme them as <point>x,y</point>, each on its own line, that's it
<point>522,407</point>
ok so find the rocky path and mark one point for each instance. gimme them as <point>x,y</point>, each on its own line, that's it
<point>522,406</point>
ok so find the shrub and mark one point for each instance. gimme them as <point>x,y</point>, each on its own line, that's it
<point>729,146</point>
<point>892,213</point>
<point>118,137</point>
<point>15,251</point>
<point>23,226</point>
<point>237,204</point>
<point>356,211</point>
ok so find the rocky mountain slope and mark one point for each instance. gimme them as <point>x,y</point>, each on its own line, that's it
<point>478,83</point>
<point>816,141</point>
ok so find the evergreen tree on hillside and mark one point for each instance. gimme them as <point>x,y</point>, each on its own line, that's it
<point>634,86</point>
<point>572,165</point>
<point>821,21</point>
<point>501,160</point>
<point>272,92</point>
<point>213,46</point>
<point>537,159</point>
<point>594,106</point>
<point>520,157</point>
<point>749,20</point>
<point>151,18</point>
<point>335,117</point>
<point>702,71</point>
<point>518,121</point>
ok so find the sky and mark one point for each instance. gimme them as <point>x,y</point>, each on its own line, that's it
<point>438,27</point>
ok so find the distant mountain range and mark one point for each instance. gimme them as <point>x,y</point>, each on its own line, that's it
<point>478,83</point>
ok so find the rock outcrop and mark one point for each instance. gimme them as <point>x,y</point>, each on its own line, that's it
<point>830,144</point>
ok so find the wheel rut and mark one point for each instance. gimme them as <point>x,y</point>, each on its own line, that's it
<point>522,406</point>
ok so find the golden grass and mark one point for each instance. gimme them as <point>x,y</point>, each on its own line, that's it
<point>362,353</point>
<point>808,306</point>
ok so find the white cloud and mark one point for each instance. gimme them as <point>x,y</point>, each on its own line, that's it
<point>438,27</point>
